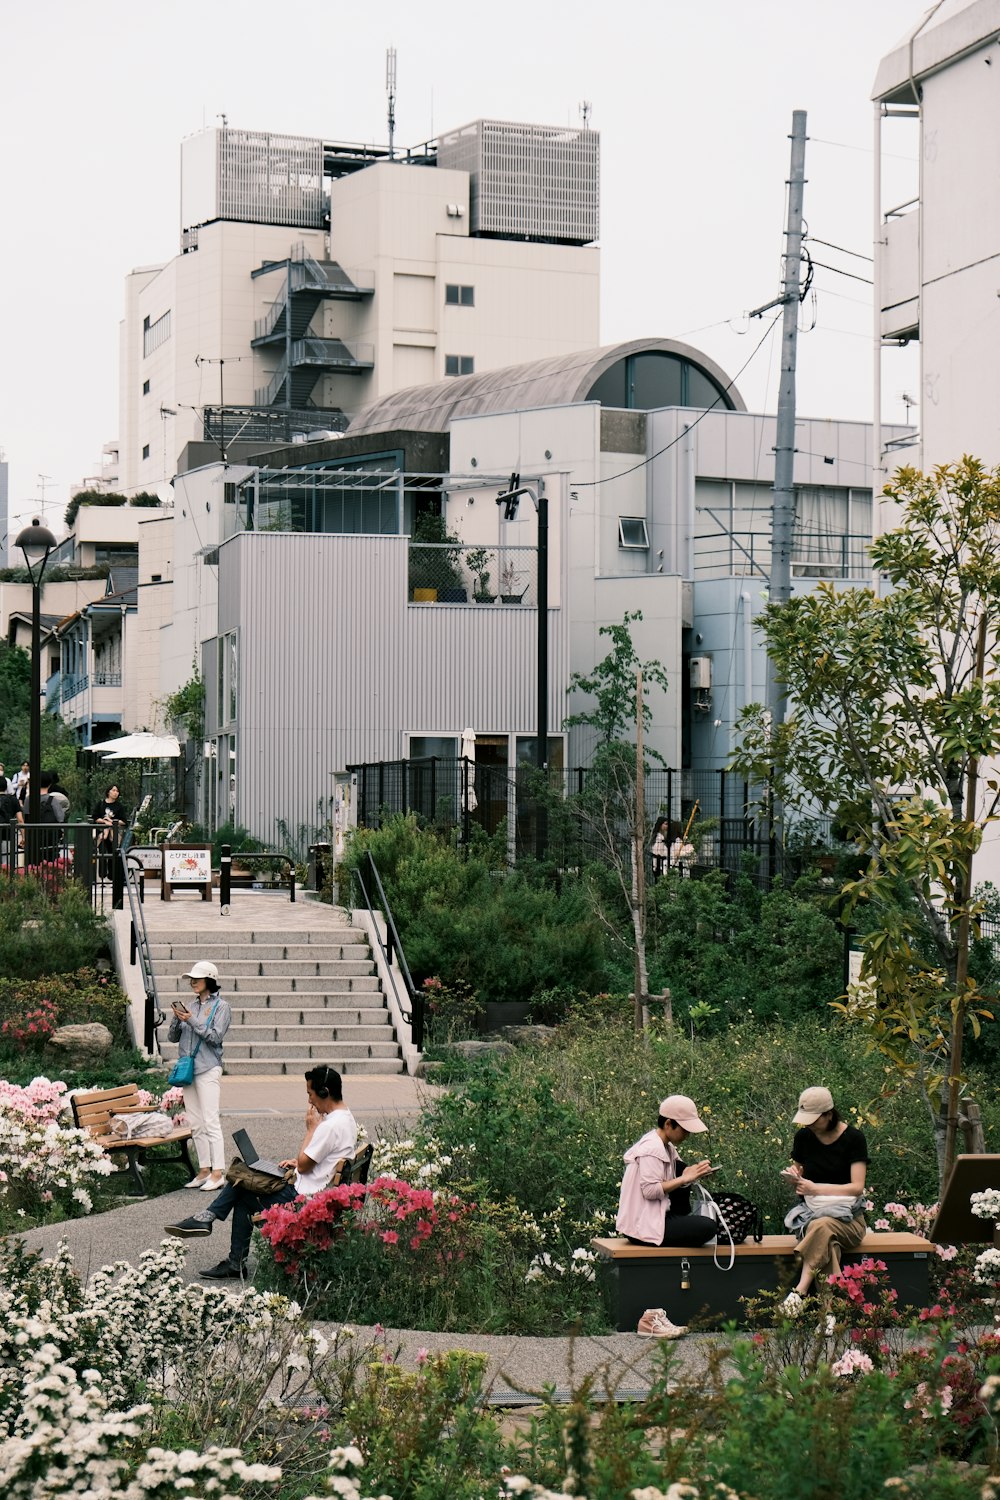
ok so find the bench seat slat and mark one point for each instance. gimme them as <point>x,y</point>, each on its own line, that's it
<point>874,1242</point>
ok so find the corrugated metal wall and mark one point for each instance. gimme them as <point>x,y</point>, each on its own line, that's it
<point>335,666</point>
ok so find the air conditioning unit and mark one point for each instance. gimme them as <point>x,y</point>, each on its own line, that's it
<point>700,668</point>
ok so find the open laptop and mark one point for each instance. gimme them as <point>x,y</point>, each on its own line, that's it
<point>248,1151</point>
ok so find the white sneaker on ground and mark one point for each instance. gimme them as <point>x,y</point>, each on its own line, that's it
<point>793,1304</point>
<point>654,1324</point>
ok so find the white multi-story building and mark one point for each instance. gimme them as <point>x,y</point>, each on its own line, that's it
<point>938,253</point>
<point>315,278</point>
<point>325,638</point>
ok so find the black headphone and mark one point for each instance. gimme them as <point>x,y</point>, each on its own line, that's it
<point>324,1092</point>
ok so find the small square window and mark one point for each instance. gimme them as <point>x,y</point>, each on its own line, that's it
<point>468,296</point>
<point>459,364</point>
<point>459,296</point>
<point>451,295</point>
<point>632,533</point>
<point>145,450</point>
<point>145,387</point>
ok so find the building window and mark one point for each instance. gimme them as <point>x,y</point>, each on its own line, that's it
<point>632,533</point>
<point>459,296</point>
<point>145,450</point>
<point>458,364</point>
<point>155,334</point>
<point>145,387</point>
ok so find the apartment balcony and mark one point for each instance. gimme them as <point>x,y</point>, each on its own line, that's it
<point>102,691</point>
<point>899,273</point>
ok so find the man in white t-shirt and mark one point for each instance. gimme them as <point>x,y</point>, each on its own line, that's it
<point>331,1134</point>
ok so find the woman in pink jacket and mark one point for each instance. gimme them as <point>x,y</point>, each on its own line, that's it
<point>654,1207</point>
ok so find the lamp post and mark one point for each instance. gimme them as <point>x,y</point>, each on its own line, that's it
<point>37,543</point>
<point>508,499</point>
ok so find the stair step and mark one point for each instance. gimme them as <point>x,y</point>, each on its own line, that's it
<point>224,953</point>
<point>247,1067</point>
<point>286,1030</point>
<point>319,1051</point>
<point>281,984</point>
<point>312,1015</point>
<point>214,937</point>
<point>333,968</point>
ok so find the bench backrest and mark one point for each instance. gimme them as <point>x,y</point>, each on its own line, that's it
<point>361,1164</point>
<point>93,1110</point>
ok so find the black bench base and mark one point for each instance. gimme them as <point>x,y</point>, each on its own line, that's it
<point>689,1286</point>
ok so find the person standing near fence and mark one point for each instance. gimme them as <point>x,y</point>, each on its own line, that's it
<point>199,1028</point>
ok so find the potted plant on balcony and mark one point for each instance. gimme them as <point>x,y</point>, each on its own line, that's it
<point>433,571</point>
<point>510,577</point>
<point>478,562</point>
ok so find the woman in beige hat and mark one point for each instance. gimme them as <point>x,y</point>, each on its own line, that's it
<point>829,1165</point>
<point>198,1027</point>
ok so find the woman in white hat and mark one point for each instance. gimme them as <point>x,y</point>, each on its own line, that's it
<point>829,1165</point>
<point>199,1027</point>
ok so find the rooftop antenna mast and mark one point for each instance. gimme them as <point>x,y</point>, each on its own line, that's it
<point>390,88</point>
<point>44,480</point>
<point>586,108</point>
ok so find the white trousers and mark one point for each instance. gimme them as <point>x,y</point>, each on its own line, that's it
<point>201,1105</point>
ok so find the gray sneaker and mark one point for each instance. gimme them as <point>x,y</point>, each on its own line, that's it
<point>197,1224</point>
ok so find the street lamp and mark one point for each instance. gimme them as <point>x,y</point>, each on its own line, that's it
<point>508,499</point>
<point>37,543</point>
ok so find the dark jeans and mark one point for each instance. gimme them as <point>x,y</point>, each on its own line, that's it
<point>242,1204</point>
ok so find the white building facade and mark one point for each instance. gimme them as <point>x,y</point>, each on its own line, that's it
<point>313,280</point>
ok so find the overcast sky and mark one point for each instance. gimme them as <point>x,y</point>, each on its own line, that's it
<point>693,99</point>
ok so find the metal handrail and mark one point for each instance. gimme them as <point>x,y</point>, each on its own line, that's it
<point>414,1017</point>
<point>133,872</point>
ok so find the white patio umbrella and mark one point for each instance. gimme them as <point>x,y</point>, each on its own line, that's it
<point>143,746</point>
<point>469,754</point>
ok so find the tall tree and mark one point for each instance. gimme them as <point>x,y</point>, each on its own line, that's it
<point>612,806</point>
<point>894,711</point>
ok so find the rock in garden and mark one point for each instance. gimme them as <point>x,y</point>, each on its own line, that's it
<point>526,1036</point>
<point>480,1049</point>
<point>78,1045</point>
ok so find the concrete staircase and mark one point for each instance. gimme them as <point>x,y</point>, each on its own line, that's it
<point>298,998</point>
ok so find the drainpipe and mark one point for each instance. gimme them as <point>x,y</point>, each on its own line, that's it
<point>685,552</point>
<point>747,602</point>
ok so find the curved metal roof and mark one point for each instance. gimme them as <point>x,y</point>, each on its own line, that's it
<point>558,381</point>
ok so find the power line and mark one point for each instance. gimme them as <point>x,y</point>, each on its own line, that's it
<point>838,272</point>
<point>591,484</point>
<point>830,246</point>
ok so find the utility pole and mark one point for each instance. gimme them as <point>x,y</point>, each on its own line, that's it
<point>783,511</point>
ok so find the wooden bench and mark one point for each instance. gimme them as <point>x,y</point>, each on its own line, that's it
<point>691,1288</point>
<point>92,1111</point>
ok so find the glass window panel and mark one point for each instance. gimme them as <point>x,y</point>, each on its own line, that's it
<point>451,295</point>
<point>422,746</point>
<point>702,389</point>
<point>656,381</point>
<point>610,389</point>
<point>632,532</point>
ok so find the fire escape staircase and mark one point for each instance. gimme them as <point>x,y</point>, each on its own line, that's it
<point>304,355</point>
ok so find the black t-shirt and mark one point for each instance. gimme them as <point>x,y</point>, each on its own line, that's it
<point>9,807</point>
<point>830,1163</point>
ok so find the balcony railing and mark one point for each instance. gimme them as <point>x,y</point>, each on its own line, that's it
<point>72,686</point>
<point>443,573</point>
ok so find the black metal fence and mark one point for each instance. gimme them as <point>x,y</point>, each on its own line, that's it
<point>717,811</point>
<point>57,854</point>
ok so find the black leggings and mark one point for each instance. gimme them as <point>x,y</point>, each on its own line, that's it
<point>684,1229</point>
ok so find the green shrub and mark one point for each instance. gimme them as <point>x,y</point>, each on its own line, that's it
<point>549,1125</point>
<point>469,920</point>
<point>42,934</point>
<point>86,995</point>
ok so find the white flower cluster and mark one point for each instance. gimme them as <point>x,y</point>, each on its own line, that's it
<point>681,1489</point>
<point>73,1359</point>
<point>581,1263</point>
<point>986,1205</point>
<point>54,1161</point>
<point>129,1323</point>
<point>422,1163</point>
<point>987,1268</point>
